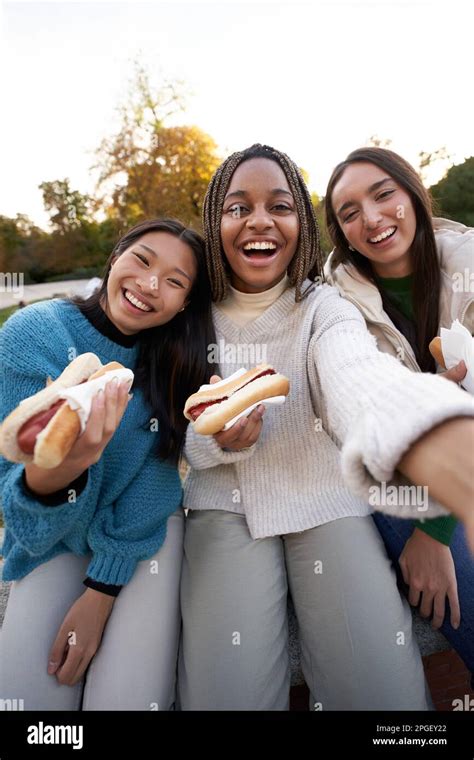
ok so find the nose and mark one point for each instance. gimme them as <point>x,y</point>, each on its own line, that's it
<point>371,216</point>
<point>259,219</point>
<point>149,287</point>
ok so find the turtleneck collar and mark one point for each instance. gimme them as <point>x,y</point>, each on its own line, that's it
<point>103,324</point>
<point>243,308</point>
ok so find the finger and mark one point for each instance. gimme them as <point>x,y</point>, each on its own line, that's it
<point>58,651</point>
<point>439,608</point>
<point>405,571</point>
<point>242,429</point>
<point>81,669</point>
<point>215,379</point>
<point>95,423</point>
<point>454,606</point>
<point>232,435</point>
<point>111,397</point>
<point>66,673</point>
<point>414,596</point>
<point>426,606</point>
<point>457,373</point>
<point>123,399</point>
<point>252,429</point>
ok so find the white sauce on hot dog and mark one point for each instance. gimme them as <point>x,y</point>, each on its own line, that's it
<point>79,397</point>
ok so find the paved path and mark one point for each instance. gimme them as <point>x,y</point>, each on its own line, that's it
<point>29,293</point>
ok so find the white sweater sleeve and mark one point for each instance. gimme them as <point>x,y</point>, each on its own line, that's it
<point>202,451</point>
<point>375,406</point>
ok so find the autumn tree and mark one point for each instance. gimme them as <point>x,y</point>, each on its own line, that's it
<point>149,168</point>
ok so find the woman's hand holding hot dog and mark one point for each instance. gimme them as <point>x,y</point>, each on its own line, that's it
<point>106,413</point>
<point>245,432</point>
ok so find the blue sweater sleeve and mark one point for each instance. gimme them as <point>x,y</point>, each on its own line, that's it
<point>134,528</point>
<point>35,526</point>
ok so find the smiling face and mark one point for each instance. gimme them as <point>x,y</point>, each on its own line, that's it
<point>259,225</point>
<point>150,282</point>
<point>377,217</point>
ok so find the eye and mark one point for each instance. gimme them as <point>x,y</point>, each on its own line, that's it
<point>385,194</point>
<point>236,210</point>
<point>176,282</point>
<point>350,216</point>
<point>282,207</point>
<point>142,258</point>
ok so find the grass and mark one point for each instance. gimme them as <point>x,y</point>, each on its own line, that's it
<point>5,313</point>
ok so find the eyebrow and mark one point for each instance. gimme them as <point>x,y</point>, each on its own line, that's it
<point>371,189</point>
<point>150,250</point>
<point>242,193</point>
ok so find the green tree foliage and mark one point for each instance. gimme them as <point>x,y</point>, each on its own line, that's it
<point>454,194</point>
<point>68,208</point>
<point>20,241</point>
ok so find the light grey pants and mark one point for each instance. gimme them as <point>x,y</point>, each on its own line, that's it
<point>135,665</point>
<point>358,649</point>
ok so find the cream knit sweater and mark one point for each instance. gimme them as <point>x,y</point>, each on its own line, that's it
<point>351,414</point>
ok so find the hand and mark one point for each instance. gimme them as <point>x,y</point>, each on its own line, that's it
<point>107,410</point>
<point>79,636</point>
<point>442,460</point>
<point>455,374</point>
<point>245,432</point>
<point>428,569</point>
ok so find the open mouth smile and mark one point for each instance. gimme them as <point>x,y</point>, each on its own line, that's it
<point>383,236</point>
<point>260,252</point>
<point>135,304</point>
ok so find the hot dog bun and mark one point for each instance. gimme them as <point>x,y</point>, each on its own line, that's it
<point>56,439</point>
<point>436,351</point>
<point>228,399</point>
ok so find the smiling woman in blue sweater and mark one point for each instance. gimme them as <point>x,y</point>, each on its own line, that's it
<point>110,515</point>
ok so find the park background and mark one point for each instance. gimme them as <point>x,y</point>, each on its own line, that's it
<point>116,112</point>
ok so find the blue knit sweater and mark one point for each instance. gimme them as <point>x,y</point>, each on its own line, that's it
<point>120,515</point>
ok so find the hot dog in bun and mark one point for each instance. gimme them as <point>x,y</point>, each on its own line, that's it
<point>44,427</point>
<point>217,406</point>
<point>436,351</point>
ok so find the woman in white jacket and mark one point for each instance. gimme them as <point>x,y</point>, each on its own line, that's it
<point>409,275</point>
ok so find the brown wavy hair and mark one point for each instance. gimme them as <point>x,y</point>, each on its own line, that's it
<point>426,268</point>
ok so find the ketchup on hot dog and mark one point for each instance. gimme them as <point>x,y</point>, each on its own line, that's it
<point>195,411</point>
<point>30,430</point>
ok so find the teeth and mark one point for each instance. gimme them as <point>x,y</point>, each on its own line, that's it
<point>383,235</point>
<point>130,297</point>
<point>264,246</point>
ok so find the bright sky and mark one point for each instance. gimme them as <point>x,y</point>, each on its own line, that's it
<point>315,80</point>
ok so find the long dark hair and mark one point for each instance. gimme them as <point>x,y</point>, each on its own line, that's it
<point>172,359</point>
<point>426,268</point>
<point>307,261</point>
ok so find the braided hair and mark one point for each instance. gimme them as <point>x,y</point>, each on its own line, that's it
<point>307,261</point>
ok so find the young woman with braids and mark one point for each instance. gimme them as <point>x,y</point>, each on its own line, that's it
<point>274,504</point>
<point>400,267</point>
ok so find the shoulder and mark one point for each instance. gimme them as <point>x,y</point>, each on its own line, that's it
<point>42,315</point>
<point>40,329</point>
<point>454,243</point>
<point>327,308</point>
<point>328,302</point>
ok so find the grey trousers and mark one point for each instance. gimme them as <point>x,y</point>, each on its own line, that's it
<point>358,649</point>
<point>135,665</point>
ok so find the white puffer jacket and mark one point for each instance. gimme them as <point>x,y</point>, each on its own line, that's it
<point>455,244</point>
